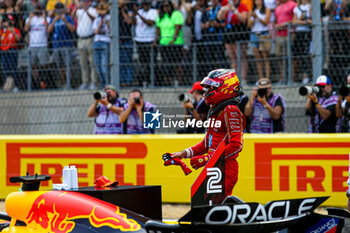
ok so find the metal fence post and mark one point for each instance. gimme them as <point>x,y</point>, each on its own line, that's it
<point>152,66</point>
<point>114,49</point>
<point>194,64</point>
<point>284,62</point>
<point>29,71</point>
<point>317,55</point>
<point>239,62</point>
<point>67,69</point>
<point>289,52</point>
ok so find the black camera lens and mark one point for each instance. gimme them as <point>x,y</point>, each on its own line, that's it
<point>344,91</point>
<point>97,95</point>
<point>262,92</point>
<point>137,100</point>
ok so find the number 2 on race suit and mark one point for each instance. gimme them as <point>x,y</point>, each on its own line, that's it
<point>214,179</point>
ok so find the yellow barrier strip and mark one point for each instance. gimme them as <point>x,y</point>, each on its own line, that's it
<point>310,151</point>
<point>73,150</point>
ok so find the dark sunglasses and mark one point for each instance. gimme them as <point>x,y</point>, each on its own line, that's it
<point>322,87</point>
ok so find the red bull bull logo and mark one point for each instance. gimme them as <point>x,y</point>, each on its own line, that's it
<point>56,211</point>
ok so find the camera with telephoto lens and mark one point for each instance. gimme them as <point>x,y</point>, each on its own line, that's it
<point>100,95</point>
<point>137,100</point>
<point>262,92</point>
<point>344,91</point>
<point>184,98</point>
<point>308,90</point>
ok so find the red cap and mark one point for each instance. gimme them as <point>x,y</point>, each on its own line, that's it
<point>103,181</point>
<point>196,86</point>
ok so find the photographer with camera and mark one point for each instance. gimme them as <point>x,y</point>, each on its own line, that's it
<point>106,110</point>
<point>320,106</point>
<point>267,110</point>
<point>133,113</point>
<point>198,109</point>
<point>342,108</point>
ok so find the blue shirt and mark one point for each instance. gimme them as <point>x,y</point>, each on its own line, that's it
<point>61,36</point>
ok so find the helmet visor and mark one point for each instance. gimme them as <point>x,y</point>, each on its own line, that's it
<point>207,83</point>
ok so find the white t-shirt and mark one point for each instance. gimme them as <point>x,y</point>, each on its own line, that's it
<point>84,27</point>
<point>38,31</point>
<point>104,35</point>
<point>144,33</point>
<point>298,11</point>
<point>259,26</point>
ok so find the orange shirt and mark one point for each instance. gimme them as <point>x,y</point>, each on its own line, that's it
<point>248,3</point>
<point>8,39</point>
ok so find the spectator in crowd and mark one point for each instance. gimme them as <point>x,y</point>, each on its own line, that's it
<point>235,15</point>
<point>213,33</point>
<point>37,27</point>
<point>337,28</point>
<point>10,36</point>
<point>101,27</point>
<point>61,26</point>
<point>266,109</point>
<point>321,107</point>
<point>170,37</point>
<point>85,15</point>
<point>106,111</point>
<point>125,36</point>
<point>197,16</point>
<point>258,19</point>
<point>342,110</point>
<point>283,17</point>
<point>133,113</point>
<point>197,109</point>
<point>145,33</point>
<point>302,38</point>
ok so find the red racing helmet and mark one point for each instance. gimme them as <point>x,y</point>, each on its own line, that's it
<point>220,85</point>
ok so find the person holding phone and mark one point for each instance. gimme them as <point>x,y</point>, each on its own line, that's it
<point>266,109</point>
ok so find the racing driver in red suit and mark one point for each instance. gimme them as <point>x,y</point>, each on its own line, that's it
<point>222,93</point>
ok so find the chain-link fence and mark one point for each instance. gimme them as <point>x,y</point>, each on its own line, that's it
<point>49,45</point>
<point>80,45</point>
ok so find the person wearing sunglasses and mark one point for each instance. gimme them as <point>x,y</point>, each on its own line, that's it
<point>321,107</point>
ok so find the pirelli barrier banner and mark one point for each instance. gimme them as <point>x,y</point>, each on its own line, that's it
<point>271,167</point>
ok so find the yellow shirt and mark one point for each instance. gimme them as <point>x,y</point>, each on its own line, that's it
<point>51,4</point>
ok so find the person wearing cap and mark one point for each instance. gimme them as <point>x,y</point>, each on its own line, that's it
<point>145,33</point>
<point>107,112</point>
<point>102,40</point>
<point>134,111</point>
<point>321,107</point>
<point>62,27</point>
<point>197,109</point>
<point>266,109</point>
<point>85,15</point>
